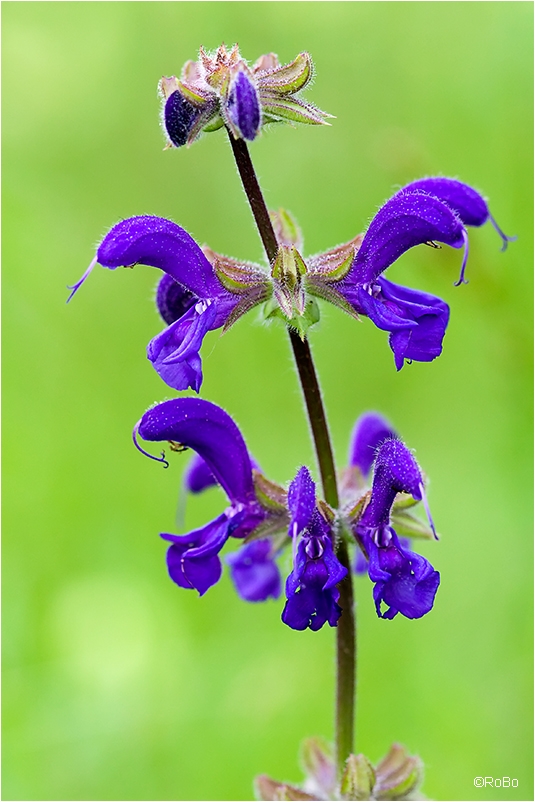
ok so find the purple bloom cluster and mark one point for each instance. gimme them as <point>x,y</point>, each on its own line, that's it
<point>267,519</point>
<point>202,291</point>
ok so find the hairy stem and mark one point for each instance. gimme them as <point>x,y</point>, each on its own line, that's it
<point>254,195</point>
<point>345,631</point>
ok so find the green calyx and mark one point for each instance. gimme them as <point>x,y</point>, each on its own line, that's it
<point>358,778</point>
<point>296,309</point>
<point>301,323</point>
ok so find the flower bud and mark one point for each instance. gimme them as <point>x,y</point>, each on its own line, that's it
<point>358,778</point>
<point>243,107</point>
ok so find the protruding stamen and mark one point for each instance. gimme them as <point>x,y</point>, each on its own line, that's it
<point>146,453</point>
<point>504,237</point>
<point>178,447</point>
<point>462,279</point>
<point>79,283</point>
<point>428,511</point>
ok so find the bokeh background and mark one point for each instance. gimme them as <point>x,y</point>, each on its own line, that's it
<point>117,684</point>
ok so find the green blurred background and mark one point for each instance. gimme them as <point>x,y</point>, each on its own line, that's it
<point>117,684</point>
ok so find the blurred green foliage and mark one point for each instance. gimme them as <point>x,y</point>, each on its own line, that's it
<point>118,685</point>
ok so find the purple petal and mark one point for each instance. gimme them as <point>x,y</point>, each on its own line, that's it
<point>405,581</point>
<point>422,342</point>
<point>158,242</point>
<point>301,501</point>
<point>192,559</point>
<point>463,199</point>
<point>395,470</point>
<point>254,572</point>
<point>172,299</point>
<point>203,573</point>
<point>311,606</point>
<point>360,566</point>
<point>469,204</point>
<point>369,432</point>
<point>209,431</point>
<point>406,220</point>
<point>243,106</point>
<point>179,118</point>
<point>335,570</point>
<point>198,475</point>
<point>245,517</point>
<point>175,351</point>
<point>417,320</point>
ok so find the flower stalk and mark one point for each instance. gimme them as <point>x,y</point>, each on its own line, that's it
<point>345,630</point>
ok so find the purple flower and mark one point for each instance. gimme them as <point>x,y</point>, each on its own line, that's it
<point>370,430</point>
<point>190,295</point>
<point>424,212</point>
<point>404,580</point>
<point>243,105</point>
<point>198,476</point>
<point>202,290</point>
<point>311,590</point>
<point>192,559</point>
<point>254,571</point>
<point>222,89</point>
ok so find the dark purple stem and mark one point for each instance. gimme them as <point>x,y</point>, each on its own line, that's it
<point>345,631</point>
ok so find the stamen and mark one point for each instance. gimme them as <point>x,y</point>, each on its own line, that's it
<point>79,283</point>
<point>462,279</point>
<point>504,237</point>
<point>146,453</point>
<point>178,447</point>
<point>428,511</point>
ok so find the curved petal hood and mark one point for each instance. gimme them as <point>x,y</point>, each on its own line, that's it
<point>211,432</point>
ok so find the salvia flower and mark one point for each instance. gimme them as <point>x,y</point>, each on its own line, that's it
<point>268,519</point>
<point>404,581</point>
<point>221,89</point>
<point>202,290</point>
<point>312,595</point>
<point>253,568</point>
<point>254,571</point>
<point>192,559</point>
<point>191,298</point>
<point>427,211</point>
